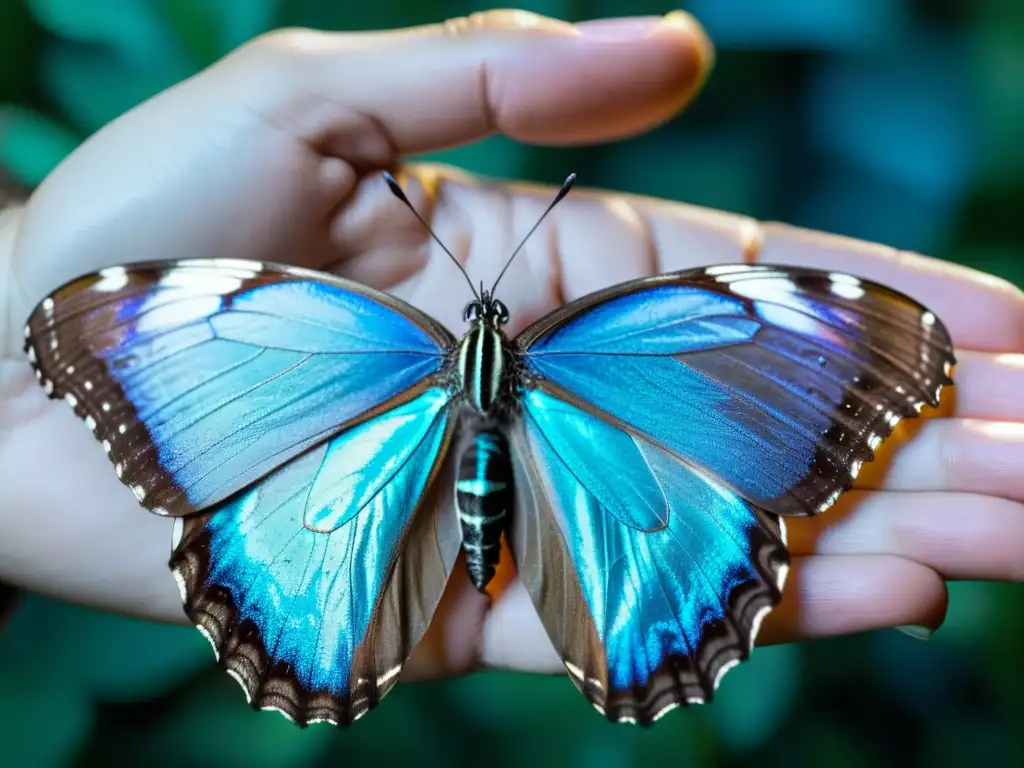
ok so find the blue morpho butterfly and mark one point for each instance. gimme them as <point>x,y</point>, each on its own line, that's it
<point>327,451</point>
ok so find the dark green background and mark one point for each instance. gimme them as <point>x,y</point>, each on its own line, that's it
<point>896,120</point>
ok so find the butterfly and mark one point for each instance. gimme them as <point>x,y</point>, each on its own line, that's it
<point>327,451</point>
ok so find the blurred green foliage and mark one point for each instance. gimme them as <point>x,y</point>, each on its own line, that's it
<point>895,120</point>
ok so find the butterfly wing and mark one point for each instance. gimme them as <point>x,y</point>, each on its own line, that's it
<point>315,584</point>
<point>201,376</point>
<point>292,423</point>
<point>665,424</point>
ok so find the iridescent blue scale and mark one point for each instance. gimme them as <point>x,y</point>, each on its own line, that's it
<point>327,451</point>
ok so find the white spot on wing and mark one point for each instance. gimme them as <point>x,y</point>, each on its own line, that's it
<point>389,675</point>
<point>216,653</point>
<point>852,292</point>
<point>111,279</point>
<point>180,581</point>
<point>727,666</point>
<point>253,267</point>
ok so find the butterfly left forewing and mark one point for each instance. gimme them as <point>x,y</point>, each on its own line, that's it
<point>200,376</point>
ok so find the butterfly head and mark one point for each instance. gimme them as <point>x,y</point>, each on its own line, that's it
<point>486,309</point>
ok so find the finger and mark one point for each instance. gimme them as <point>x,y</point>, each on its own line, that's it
<point>830,595</point>
<point>75,534</point>
<point>958,535</point>
<point>370,97</point>
<point>595,239</point>
<point>961,455</point>
<point>824,596</point>
<point>988,386</point>
<point>279,131</point>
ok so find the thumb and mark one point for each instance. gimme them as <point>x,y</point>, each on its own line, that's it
<point>175,175</point>
<point>369,97</point>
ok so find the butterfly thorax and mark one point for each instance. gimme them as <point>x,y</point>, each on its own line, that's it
<point>482,365</point>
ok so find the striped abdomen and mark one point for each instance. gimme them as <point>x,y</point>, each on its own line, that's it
<point>483,496</point>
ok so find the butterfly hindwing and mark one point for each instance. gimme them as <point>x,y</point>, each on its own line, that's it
<point>201,376</point>
<point>649,575</point>
<point>315,584</point>
<point>664,425</point>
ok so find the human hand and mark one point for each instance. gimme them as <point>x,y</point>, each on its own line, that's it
<point>264,156</point>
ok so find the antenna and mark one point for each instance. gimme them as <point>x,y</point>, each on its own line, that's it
<point>397,192</point>
<point>566,186</point>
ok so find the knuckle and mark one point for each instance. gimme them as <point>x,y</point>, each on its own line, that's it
<point>277,52</point>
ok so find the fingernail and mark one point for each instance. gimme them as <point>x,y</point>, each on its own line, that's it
<point>619,30</point>
<point>681,20</point>
<point>917,632</point>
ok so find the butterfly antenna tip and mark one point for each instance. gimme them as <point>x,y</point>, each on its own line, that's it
<point>398,192</point>
<point>562,192</point>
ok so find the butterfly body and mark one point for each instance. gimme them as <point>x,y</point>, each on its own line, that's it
<point>327,451</point>
<point>485,380</point>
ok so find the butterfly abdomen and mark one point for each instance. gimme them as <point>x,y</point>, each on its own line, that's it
<point>483,495</point>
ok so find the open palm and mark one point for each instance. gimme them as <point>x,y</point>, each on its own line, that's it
<point>273,154</point>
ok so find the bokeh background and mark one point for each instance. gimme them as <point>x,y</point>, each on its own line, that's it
<point>900,121</point>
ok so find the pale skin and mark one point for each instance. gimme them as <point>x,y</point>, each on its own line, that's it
<point>274,152</point>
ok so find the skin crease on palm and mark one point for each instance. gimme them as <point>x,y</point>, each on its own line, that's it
<point>274,153</point>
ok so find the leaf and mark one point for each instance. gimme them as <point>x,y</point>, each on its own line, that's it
<point>857,203</point>
<point>32,144</point>
<point>129,27</point>
<point>756,698</point>
<point>18,39</point>
<point>725,169</point>
<point>904,117</point>
<point>104,656</point>
<point>208,29</point>
<point>997,74</point>
<point>93,86</point>
<point>211,724</point>
<point>24,701</point>
<point>833,25</point>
